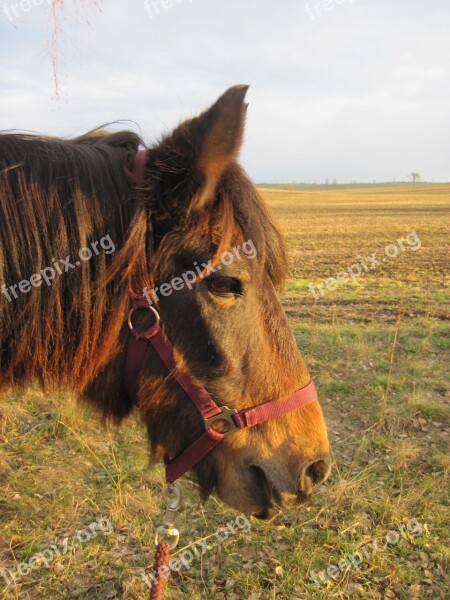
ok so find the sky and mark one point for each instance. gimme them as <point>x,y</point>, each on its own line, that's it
<point>352,90</point>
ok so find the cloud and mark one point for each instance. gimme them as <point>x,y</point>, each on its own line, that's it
<point>360,93</point>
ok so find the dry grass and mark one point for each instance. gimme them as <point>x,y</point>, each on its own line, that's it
<point>378,351</point>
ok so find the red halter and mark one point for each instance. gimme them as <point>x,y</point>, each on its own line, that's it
<point>212,414</point>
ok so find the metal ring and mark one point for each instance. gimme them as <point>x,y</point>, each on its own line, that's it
<point>130,323</point>
<point>169,532</point>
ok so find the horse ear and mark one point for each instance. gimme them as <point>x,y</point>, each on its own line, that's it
<point>190,162</point>
<point>219,137</point>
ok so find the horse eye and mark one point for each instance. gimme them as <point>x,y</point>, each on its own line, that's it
<point>224,286</point>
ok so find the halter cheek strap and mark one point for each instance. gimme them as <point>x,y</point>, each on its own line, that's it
<point>213,415</point>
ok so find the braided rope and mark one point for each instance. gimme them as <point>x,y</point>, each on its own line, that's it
<point>161,571</point>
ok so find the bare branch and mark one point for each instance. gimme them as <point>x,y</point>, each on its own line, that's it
<point>59,22</point>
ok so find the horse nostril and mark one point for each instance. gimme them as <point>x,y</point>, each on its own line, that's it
<point>318,471</point>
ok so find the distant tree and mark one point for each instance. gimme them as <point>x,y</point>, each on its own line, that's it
<point>414,177</point>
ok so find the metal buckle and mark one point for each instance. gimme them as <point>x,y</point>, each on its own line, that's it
<point>145,333</point>
<point>226,417</point>
<point>172,500</point>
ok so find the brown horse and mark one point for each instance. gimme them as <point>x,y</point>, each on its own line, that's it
<point>77,232</point>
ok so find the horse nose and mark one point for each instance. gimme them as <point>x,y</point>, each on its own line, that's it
<point>313,473</point>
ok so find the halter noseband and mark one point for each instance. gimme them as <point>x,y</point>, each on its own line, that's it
<point>212,414</point>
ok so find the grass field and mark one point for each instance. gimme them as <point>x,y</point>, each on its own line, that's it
<point>377,346</point>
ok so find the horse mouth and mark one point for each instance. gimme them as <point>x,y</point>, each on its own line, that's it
<point>266,495</point>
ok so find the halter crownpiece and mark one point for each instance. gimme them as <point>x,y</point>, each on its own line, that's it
<point>229,419</point>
